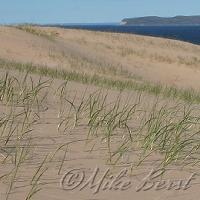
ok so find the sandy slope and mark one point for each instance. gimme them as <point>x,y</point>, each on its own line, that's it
<point>152,58</point>
<point>155,59</point>
<point>45,139</point>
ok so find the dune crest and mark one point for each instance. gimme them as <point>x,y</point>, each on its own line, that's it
<point>160,60</point>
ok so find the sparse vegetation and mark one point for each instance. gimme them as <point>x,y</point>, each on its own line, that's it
<point>133,83</point>
<point>38,115</point>
<point>172,131</point>
<point>30,28</point>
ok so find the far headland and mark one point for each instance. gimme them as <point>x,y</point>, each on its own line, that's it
<point>165,21</point>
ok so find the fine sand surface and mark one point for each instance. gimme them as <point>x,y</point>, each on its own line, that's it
<point>155,59</point>
<point>38,149</point>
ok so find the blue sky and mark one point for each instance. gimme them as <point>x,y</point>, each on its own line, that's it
<point>91,11</point>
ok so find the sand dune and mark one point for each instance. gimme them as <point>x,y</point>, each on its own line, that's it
<point>44,136</point>
<point>160,60</point>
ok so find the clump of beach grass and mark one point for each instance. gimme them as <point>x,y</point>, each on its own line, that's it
<point>171,131</point>
<point>35,30</point>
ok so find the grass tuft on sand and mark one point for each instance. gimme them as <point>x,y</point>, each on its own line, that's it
<point>171,92</point>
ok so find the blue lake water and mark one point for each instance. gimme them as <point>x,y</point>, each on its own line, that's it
<point>184,33</point>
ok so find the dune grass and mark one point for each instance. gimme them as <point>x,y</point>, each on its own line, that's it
<point>171,131</point>
<point>123,127</point>
<point>30,29</point>
<point>137,84</point>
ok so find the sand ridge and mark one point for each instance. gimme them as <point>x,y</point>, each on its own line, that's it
<point>155,59</point>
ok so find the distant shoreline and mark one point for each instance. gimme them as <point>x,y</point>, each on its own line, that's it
<point>162,21</point>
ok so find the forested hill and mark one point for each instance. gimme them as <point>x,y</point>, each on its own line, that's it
<point>166,21</point>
